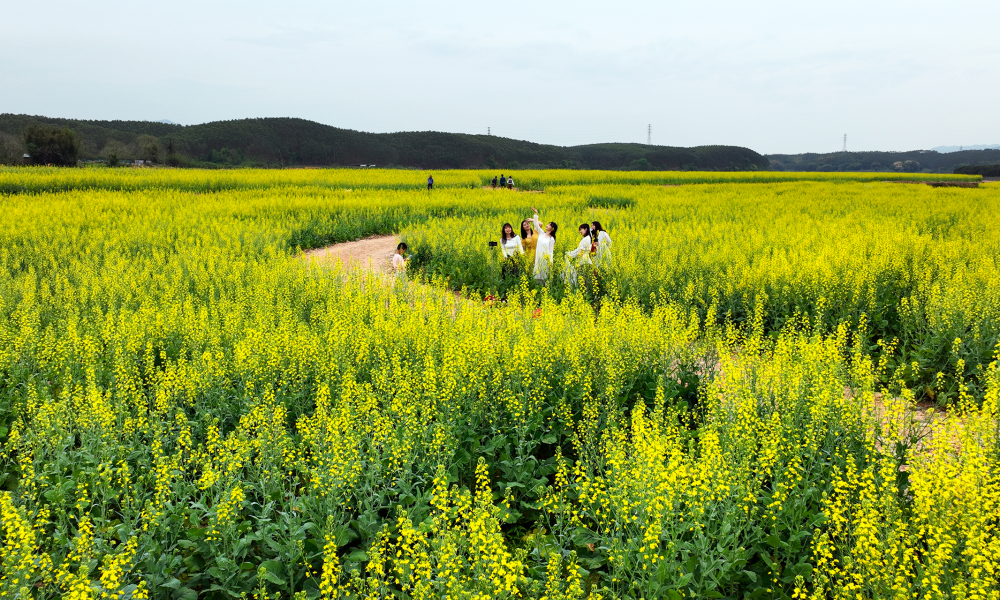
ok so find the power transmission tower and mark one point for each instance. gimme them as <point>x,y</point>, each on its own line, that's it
<point>845,143</point>
<point>649,134</point>
<point>488,131</point>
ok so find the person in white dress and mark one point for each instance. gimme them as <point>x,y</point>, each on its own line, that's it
<point>399,262</point>
<point>603,241</point>
<point>511,246</point>
<point>545,248</point>
<point>578,258</point>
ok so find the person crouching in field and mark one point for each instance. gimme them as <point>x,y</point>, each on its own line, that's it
<point>510,245</point>
<point>544,247</point>
<point>399,262</point>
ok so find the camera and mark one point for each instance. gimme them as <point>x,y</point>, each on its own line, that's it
<point>493,244</point>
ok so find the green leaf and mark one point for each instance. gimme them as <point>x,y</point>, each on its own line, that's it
<point>274,578</point>
<point>357,556</point>
<point>274,567</point>
<point>186,594</point>
<point>173,584</point>
<point>550,439</point>
<point>751,575</point>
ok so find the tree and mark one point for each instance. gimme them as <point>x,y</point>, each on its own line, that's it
<point>114,152</point>
<point>149,148</point>
<point>11,149</point>
<point>51,145</point>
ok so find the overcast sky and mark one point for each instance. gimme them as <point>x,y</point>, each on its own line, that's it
<point>776,77</point>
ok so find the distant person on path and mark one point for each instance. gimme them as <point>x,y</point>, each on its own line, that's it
<point>529,240</point>
<point>603,242</point>
<point>399,262</point>
<point>544,248</point>
<point>430,182</point>
<point>494,183</point>
<point>503,181</point>
<point>510,183</point>
<point>578,258</point>
<point>510,245</point>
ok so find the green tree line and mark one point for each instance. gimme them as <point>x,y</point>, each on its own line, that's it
<point>298,142</point>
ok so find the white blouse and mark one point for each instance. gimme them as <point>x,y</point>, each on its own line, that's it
<point>603,245</point>
<point>543,250</point>
<point>582,250</point>
<point>511,246</point>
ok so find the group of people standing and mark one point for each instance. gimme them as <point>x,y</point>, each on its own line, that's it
<point>505,182</point>
<point>537,244</point>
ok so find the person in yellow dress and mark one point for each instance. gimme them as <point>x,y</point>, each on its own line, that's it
<point>529,241</point>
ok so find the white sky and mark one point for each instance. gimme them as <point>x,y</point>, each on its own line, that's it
<point>788,76</point>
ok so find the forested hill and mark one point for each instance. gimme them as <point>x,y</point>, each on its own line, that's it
<point>290,142</point>
<point>914,161</point>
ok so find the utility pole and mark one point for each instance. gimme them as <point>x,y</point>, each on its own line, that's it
<point>845,143</point>
<point>649,134</point>
<point>488,131</point>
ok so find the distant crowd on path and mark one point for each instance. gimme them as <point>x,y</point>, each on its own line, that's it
<point>537,244</point>
<point>505,182</point>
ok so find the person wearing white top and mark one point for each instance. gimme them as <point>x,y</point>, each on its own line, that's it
<point>510,183</point>
<point>603,241</point>
<point>579,257</point>
<point>399,262</point>
<point>510,245</point>
<point>545,248</point>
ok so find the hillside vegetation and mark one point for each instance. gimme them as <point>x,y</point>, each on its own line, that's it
<point>291,142</point>
<point>914,161</point>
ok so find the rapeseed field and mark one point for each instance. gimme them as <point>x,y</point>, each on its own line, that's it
<point>727,408</point>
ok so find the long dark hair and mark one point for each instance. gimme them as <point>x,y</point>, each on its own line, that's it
<point>555,228</point>
<point>525,229</point>
<point>586,227</point>
<point>503,231</point>
<point>597,226</point>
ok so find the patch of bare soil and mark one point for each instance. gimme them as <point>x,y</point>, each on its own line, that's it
<point>371,253</point>
<point>967,184</point>
<point>498,188</point>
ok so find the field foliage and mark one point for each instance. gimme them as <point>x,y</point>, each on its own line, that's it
<point>190,410</point>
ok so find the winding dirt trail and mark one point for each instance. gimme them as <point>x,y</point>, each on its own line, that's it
<point>372,253</point>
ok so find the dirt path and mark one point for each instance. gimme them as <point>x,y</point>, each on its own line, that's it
<point>374,253</point>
